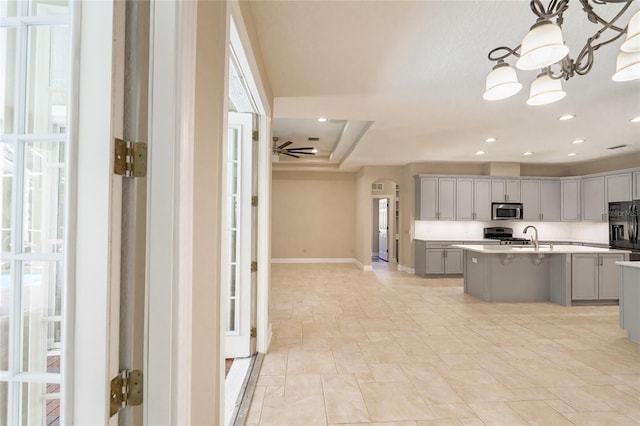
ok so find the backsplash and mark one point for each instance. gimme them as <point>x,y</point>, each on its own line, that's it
<point>453,230</point>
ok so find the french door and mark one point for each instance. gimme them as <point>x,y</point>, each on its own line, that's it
<point>238,241</point>
<point>34,88</point>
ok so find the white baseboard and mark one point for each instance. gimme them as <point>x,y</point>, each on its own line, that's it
<point>406,269</point>
<point>313,260</point>
<point>361,266</point>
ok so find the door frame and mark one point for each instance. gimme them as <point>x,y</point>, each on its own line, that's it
<point>390,223</point>
<point>170,341</point>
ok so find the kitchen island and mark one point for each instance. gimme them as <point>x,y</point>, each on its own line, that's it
<point>564,274</point>
<point>630,299</point>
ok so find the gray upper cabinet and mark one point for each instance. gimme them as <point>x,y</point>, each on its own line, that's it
<point>570,200</point>
<point>530,197</point>
<point>593,199</point>
<point>541,200</point>
<point>636,185</point>
<point>482,199</point>
<point>550,200</point>
<point>435,198</point>
<point>473,199</point>
<point>618,187</point>
<point>426,198</point>
<point>464,199</point>
<point>446,199</point>
<point>505,190</point>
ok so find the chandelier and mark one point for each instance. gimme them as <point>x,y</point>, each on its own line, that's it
<point>543,49</point>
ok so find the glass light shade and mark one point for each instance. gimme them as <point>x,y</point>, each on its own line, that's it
<point>545,90</point>
<point>627,66</point>
<point>542,46</point>
<point>502,82</point>
<point>632,42</point>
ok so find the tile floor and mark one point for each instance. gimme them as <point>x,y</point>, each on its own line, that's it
<point>386,347</point>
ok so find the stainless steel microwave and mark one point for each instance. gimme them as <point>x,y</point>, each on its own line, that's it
<point>506,211</point>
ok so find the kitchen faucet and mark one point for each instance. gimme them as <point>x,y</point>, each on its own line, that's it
<point>534,240</point>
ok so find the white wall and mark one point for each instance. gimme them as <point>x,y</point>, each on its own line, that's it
<point>450,230</point>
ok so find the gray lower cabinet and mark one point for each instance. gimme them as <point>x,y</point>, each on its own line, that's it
<point>438,258</point>
<point>595,276</point>
<point>444,261</point>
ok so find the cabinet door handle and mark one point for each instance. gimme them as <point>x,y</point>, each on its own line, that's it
<point>601,261</point>
<point>473,216</point>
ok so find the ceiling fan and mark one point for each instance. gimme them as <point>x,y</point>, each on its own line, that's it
<point>291,152</point>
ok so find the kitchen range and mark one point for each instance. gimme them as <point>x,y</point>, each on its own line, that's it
<point>623,227</point>
<point>505,236</point>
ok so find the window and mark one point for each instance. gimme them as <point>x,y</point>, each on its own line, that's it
<point>34,83</point>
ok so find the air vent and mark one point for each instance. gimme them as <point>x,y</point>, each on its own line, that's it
<point>313,138</point>
<point>617,146</point>
<point>377,187</point>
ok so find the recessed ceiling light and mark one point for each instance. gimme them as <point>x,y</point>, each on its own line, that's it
<point>527,153</point>
<point>322,119</point>
<point>635,119</point>
<point>572,154</point>
<point>578,141</point>
<point>489,140</point>
<point>480,153</point>
<point>566,117</point>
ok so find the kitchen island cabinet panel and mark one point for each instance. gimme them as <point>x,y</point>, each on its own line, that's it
<point>630,299</point>
<point>584,284</point>
<point>559,273</point>
<point>595,276</point>
<point>609,276</point>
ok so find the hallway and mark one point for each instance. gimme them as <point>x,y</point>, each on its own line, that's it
<point>385,346</point>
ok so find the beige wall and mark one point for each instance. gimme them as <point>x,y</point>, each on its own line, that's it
<point>210,125</point>
<point>313,215</point>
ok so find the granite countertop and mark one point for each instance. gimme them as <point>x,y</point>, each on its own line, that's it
<point>544,248</point>
<point>635,264</point>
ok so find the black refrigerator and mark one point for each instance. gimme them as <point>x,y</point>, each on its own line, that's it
<point>623,227</point>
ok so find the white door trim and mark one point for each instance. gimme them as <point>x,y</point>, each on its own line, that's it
<point>239,38</point>
<point>170,213</point>
<point>94,261</point>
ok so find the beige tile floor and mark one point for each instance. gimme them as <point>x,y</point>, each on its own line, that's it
<point>389,348</point>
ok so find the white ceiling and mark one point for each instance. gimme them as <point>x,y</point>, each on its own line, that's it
<point>408,78</point>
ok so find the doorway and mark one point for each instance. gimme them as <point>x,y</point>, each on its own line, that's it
<point>385,221</point>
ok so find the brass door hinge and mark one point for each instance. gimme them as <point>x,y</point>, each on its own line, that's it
<point>254,332</point>
<point>254,266</point>
<point>130,158</point>
<point>254,200</point>
<point>256,135</point>
<point>126,389</point>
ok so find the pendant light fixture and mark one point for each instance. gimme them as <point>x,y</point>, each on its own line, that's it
<point>545,90</point>
<point>502,82</point>
<point>543,47</point>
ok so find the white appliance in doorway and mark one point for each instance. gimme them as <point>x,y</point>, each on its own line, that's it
<point>383,229</point>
